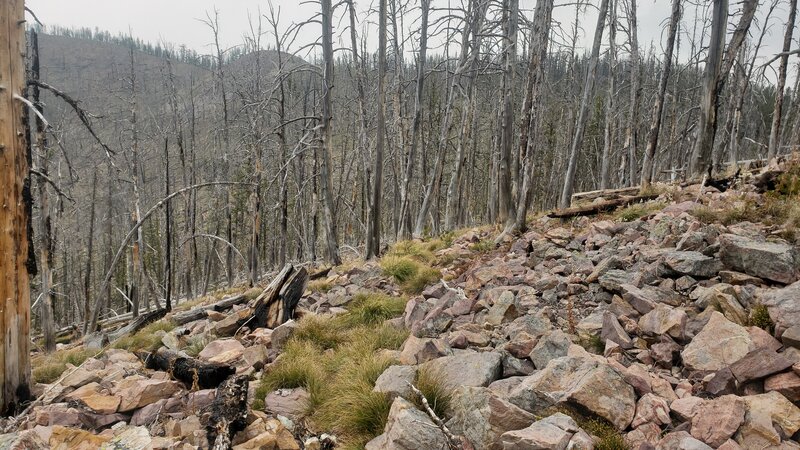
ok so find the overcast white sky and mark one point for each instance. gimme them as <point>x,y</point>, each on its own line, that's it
<point>176,21</point>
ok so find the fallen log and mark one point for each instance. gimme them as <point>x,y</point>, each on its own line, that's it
<point>137,324</point>
<point>322,273</point>
<point>276,306</point>
<point>201,312</point>
<point>599,207</point>
<point>228,413</point>
<point>604,193</point>
<point>195,374</point>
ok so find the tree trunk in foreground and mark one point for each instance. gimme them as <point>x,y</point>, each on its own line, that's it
<point>326,185</point>
<point>15,223</point>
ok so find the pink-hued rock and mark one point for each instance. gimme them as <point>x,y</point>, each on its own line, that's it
<point>787,384</point>
<point>715,421</point>
<point>651,409</point>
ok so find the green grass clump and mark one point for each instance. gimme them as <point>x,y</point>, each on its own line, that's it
<point>483,246</point>
<point>638,210</point>
<point>319,286</point>
<point>49,368</point>
<point>438,395</point>
<point>593,344</point>
<point>759,317</point>
<point>146,338</point>
<point>413,276</point>
<point>337,360</point>
<point>196,345</point>
<point>608,437</point>
<point>373,309</point>
<point>253,293</point>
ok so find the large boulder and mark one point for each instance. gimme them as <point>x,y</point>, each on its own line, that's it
<point>138,392</point>
<point>556,432</point>
<point>770,418</point>
<point>714,421</point>
<point>394,381</point>
<point>692,263</point>
<point>23,440</point>
<point>579,380</point>
<point>768,260</point>
<point>783,306</point>
<point>419,350</point>
<point>719,344</point>
<point>407,428</point>
<point>482,416</point>
<point>552,345</point>
<point>467,368</point>
<point>664,320</point>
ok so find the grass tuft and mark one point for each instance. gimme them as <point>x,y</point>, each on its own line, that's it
<point>48,368</point>
<point>321,285</point>
<point>432,386</point>
<point>483,246</point>
<point>145,339</point>
<point>413,276</point>
<point>759,317</point>
<point>638,210</point>
<point>337,360</point>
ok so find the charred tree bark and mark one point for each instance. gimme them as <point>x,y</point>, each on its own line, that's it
<point>228,412</point>
<point>195,374</point>
<point>277,303</point>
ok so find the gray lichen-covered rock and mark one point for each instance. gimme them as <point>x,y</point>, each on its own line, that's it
<point>467,368</point>
<point>692,263</point>
<point>407,428</point>
<point>578,380</point>
<point>556,432</point>
<point>768,260</point>
<point>783,305</point>
<point>552,345</point>
<point>482,416</point>
<point>394,381</point>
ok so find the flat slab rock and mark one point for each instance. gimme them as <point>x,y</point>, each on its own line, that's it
<point>773,261</point>
<point>467,368</point>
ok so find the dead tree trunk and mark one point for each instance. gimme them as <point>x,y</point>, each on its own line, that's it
<point>326,182</point>
<point>510,19</point>
<point>777,114</point>
<point>636,90</point>
<point>15,253</point>
<point>608,134</point>
<point>87,281</point>
<point>583,115</point>
<point>46,239</point>
<point>658,108</point>
<point>717,67</point>
<point>373,243</point>
<point>540,32</point>
<point>277,303</point>
<point>416,128</point>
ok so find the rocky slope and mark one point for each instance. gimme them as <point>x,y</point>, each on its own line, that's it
<point>670,325</point>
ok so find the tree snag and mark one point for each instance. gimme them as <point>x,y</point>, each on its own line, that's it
<point>16,263</point>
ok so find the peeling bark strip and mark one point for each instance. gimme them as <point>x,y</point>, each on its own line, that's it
<point>228,413</point>
<point>194,373</point>
<point>15,206</point>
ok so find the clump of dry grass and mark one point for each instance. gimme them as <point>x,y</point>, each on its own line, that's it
<point>147,338</point>
<point>48,368</point>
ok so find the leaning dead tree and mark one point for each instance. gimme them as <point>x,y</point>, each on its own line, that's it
<point>15,226</point>
<point>583,115</point>
<point>658,108</point>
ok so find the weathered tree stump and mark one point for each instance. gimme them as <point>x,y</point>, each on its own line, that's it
<point>228,412</point>
<point>276,306</point>
<point>194,373</point>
